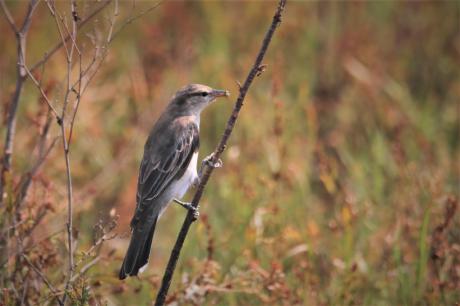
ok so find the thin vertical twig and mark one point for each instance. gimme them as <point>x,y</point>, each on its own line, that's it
<point>65,144</point>
<point>256,70</point>
<point>112,22</point>
<point>21,39</point>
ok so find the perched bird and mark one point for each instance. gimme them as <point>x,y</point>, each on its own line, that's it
<point>168,168</point>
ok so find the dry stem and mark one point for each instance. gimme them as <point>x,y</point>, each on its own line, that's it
<point>255,71</point>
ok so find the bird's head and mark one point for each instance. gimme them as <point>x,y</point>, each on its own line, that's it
<point>193,98</point>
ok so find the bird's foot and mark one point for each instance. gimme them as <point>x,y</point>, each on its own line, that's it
<point>208,161</point>
<point>189,206</point>
<point>197,180</point>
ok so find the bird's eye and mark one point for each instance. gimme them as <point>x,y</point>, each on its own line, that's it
<point>204,94</point>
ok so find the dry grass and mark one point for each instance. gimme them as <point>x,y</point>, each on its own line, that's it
<point>341,180</point>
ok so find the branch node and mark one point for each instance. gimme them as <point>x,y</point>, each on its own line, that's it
<point>261,69</point>
<point>238,84</point>
<point>75,16</point>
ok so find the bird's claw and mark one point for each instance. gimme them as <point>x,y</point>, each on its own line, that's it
<point>208,161</point>
<point>196,212</point>
<point>197,181</point>
<point>190,207</point>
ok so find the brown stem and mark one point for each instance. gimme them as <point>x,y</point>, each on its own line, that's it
<point>65,146</point>
<point>21,36</point>
<point>43,153</point>
<point>8,17</point>
<point>255,71</point>
<point>21,39</point>
<point>44,278</point>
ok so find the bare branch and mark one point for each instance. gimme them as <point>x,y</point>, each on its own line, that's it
<point>21,39</point>
<point>255,70</point>
<point>85,268</point>
<point>133,18</point>
<point>24,292</point>
<point>59,45</point>
<point>43,277</point>
<point>9,18</point>
<point>112,22</point>
<point>76,84</point>
<point>42,92</point>
<point>98,243</point>
<point>27,179</point>
<point>10,133</point>
<point>28,19</point>
<point>31,246</point>
<point>78,98</point>
<point>65,146</point>
<point>21,36</point>
<point>53,12</point>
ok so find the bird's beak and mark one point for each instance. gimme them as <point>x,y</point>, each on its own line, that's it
<point>219,93</point>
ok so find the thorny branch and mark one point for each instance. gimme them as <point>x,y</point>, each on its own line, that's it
<point>256,70</point>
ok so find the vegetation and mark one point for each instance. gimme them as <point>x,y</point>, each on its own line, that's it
<point>340,183</point>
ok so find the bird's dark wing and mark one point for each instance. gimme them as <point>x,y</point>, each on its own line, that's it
<point>164,160</point>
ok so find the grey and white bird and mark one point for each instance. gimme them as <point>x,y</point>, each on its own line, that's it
<point>167,170</point>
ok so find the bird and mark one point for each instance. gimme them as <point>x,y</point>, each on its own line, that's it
<point>168,168</point>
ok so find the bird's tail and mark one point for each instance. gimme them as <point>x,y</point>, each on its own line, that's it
<point>138,253</point>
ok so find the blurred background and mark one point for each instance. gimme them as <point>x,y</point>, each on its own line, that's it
<point>340,182</point>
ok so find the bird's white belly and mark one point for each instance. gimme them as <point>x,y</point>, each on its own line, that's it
<point>180,187</point>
